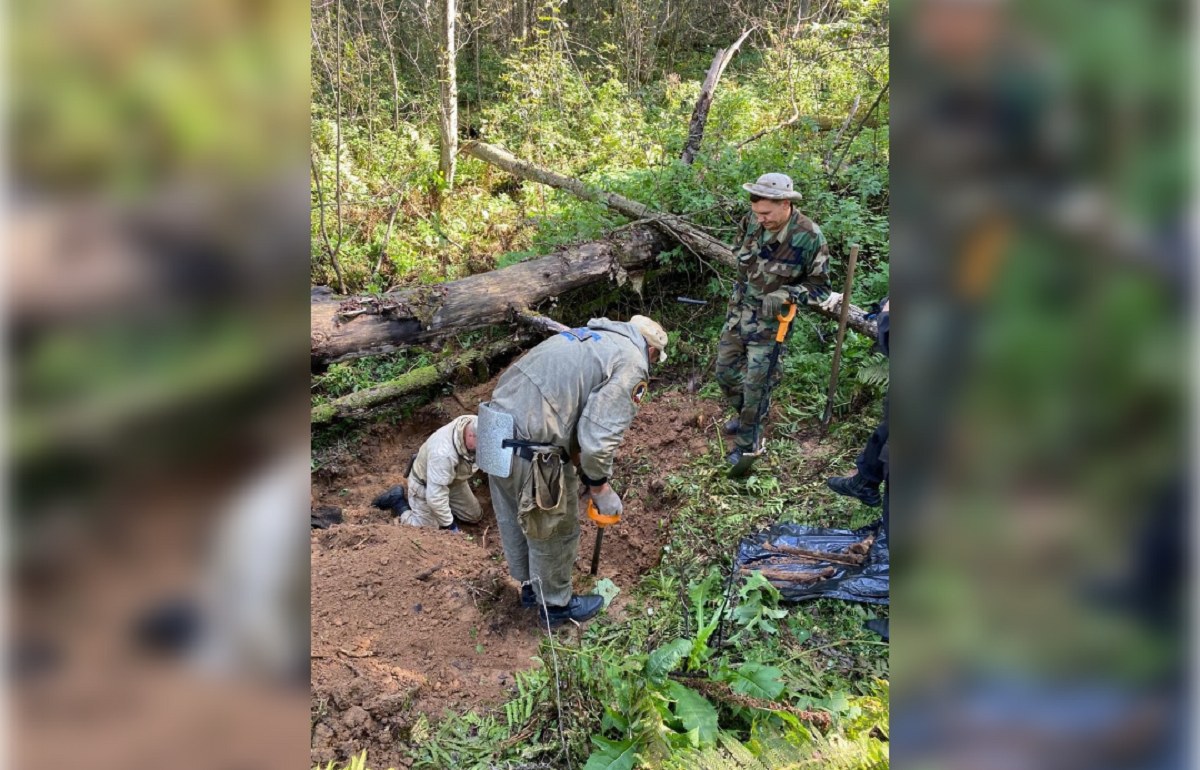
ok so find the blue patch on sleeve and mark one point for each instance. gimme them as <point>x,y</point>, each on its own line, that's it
<point>580,335</point>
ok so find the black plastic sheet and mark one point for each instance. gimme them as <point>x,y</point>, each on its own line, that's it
<point>866,583</point>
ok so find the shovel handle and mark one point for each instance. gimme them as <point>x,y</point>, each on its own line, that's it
<point>841,334</point>
<point>784,321</point>
<point>601,521</point>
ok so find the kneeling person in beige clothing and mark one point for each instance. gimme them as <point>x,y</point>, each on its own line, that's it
<point>438,488</point>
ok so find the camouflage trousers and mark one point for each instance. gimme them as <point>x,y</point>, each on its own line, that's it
<point>742,374</point>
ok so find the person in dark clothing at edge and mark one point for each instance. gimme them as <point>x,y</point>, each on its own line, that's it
<point>873,462</point>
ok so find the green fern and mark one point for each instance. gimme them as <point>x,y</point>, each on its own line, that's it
<point>875,371</point>
<point>530,685</point>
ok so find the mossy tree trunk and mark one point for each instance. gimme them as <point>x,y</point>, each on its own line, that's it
<point>358,403</point>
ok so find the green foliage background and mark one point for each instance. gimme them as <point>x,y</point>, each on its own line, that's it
<point>567,104</point>
<point>573,97</point>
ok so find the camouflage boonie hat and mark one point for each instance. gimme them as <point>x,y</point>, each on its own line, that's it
<point>774,186</point>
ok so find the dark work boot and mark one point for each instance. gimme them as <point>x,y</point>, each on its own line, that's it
<point>732,427</point>
<point>854,486</point>
<point>579,609</point>
<point>528,597</point>
<point>734,457</point>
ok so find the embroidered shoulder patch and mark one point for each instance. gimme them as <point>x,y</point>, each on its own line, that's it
<point>639,392</point>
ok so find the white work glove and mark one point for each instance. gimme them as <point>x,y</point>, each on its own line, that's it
<point>832,302</point>
<point>608,503</point>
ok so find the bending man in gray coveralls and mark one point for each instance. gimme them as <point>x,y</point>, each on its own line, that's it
<point>574,394</point>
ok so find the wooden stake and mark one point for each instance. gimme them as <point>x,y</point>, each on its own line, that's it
<point>842,318</point>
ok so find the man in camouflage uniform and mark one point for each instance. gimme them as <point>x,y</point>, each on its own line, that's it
<point>782,257</point>
<point>438,488</point>
<point>573,396</point>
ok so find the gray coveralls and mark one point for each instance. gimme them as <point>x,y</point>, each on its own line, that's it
<point>578,391</point>
<point>438,488</point>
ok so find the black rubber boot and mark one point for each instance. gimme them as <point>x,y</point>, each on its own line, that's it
<point>854,486</point>
<point>579,609</point>
<point>394,500</point>
<point>732,427</point>
<point>878,626</point>
<point>734,457</point>
<point>528,597</point>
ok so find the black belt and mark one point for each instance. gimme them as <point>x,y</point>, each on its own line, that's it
<point>409,473</point>
<point>525,449</point>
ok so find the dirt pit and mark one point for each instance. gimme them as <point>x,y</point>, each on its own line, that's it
<point>407,621</point>
<point>390,642</point>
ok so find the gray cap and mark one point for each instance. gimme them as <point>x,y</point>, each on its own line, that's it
<point>775,186</point>
<point>654,334</point>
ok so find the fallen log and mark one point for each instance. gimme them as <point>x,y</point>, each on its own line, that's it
<point>537,321</point>
<point>412,382</point>
<point>696,240</point>
<point>342,329</point>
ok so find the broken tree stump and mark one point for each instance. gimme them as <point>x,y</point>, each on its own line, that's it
<point>704,102</point>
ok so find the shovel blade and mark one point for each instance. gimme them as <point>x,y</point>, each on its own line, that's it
<point>743,465</point>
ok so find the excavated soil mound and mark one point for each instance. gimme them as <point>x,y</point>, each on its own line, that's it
<point>668,433</point>
<point>388,646</point>
<point>407,621</point>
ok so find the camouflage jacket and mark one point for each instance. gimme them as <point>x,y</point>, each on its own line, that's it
<point>796,258</point>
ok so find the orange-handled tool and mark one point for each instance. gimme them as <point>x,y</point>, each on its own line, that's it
<point>601,523</point>
<point>747,458</point>
<point>784,321</point>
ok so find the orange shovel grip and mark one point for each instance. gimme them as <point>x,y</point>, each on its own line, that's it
<point>784,321</point>
<point>601,521</point>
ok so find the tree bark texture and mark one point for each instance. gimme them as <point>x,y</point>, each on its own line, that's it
<point>348,328</point>
<point>448,114</point>
<point>700,113</point>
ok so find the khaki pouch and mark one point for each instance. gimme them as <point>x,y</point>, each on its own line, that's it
<point>543,503</point>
